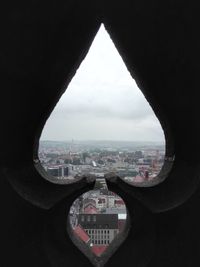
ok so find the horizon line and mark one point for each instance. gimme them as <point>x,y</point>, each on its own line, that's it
<point>105,140</point>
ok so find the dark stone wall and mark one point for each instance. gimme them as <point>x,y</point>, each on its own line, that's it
<point>42,44</point>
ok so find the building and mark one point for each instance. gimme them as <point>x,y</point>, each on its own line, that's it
<point>90,209</point>
<point>61,170</point>
<point>58,171</point>
<point>79,231</point>
<point>102,228</point>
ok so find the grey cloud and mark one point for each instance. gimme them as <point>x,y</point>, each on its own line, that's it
<point>103,101</point>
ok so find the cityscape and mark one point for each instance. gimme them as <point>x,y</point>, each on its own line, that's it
<point>102,102</point>
<point>132,161</point>
<point>99,215</point>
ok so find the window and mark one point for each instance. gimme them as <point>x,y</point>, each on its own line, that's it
<point>135,161</point>
<point>80,159</point>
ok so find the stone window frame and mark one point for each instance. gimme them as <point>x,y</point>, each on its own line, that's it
<point>169,163</point>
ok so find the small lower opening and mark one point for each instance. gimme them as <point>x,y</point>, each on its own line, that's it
<point>97,220</point>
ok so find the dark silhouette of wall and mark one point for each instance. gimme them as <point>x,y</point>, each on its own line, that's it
<point>42,44</point>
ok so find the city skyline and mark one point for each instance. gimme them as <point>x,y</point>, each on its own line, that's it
<point>102,140</point>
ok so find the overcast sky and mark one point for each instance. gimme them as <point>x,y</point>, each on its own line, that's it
<point>103,102</point>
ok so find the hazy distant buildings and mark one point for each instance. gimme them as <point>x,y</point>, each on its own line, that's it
<point>132,164</point>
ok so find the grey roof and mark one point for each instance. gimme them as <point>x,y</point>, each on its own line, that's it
<point>118,210</point>
<point>98,221</point>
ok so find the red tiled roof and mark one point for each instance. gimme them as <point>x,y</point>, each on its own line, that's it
<point>119,201</point>
<point>90,210</point>
<point>98,250</point>
<point>81,233</point>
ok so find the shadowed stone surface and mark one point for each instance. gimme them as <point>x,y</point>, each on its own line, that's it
<point>42,44</point>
